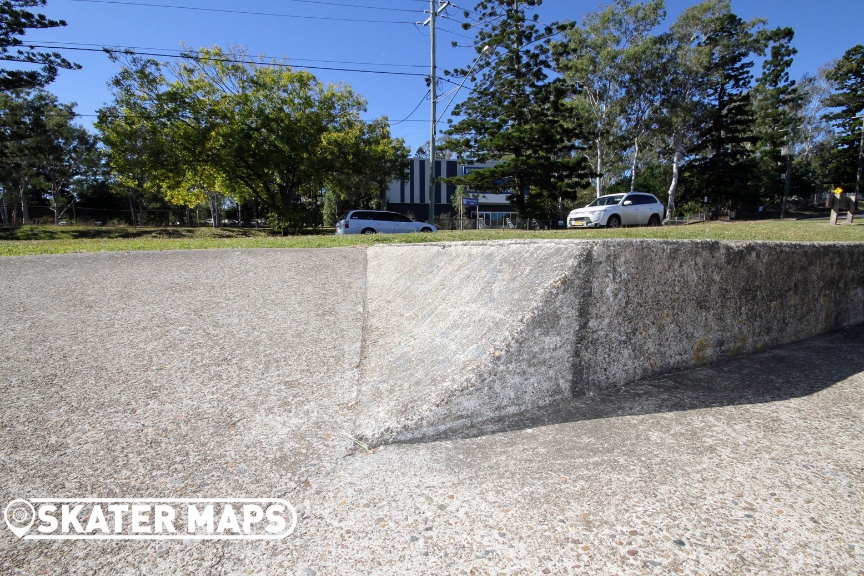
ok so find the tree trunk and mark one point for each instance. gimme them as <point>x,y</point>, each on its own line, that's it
<point>25,208</point>
<point>860,167</point>
<point>670,208</point>
<point>214,201</point>
<point>4,211</point>
<point>132,211</point>
<point>599,170</point>
<point>56,207</point>
<point>633,167</point>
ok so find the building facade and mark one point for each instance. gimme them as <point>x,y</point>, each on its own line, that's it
<point>411,195</point>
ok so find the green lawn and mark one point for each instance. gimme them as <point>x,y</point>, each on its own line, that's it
<point>28,240</point>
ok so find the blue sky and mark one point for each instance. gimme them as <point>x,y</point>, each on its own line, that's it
<point>379,36</point>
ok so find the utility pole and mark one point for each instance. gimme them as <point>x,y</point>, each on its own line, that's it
<point>433,87</point>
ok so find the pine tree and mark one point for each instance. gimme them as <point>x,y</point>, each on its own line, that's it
<point>847,79</point>
<point>514,114</point>
<point>724,172</point>
<point>776,104</point>
<point>15,20</point>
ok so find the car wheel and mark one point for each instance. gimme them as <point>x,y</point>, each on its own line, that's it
<point>613,222</point>
<point>425,229</point>
<point>654,220</point>
<point>368,231</point>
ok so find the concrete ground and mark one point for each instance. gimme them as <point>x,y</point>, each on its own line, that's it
<point>233,374</point>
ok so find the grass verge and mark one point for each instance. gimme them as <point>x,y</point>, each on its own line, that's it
<point>33,240</point>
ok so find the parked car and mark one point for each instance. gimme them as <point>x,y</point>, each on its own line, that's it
<point>379,222</point>
<point>614,210</point>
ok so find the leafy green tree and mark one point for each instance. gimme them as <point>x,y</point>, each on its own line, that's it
<point>132,131</point>
<point>682,109</point>
<point>515,112</point>
<point>610,61</point>
<point>847,102</point>
<point>215,126</point>
<point>365,159</point>
<point>644,65</point>
<point>15,20</point>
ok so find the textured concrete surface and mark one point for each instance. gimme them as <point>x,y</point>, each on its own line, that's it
<point>235,374</point>
<point>492,329</point>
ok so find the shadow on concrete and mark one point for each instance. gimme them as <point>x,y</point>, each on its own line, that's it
<point>790,371</point>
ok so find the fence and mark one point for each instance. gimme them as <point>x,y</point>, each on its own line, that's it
<point>496,221</point>
<point>78,216</point>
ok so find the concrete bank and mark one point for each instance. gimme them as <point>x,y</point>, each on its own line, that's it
<point>456,334</point>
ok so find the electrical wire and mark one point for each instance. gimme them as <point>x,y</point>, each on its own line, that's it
<point>190,56</point>
<point>182,52</point>
<point>243,12</point>
<point>413,111</point>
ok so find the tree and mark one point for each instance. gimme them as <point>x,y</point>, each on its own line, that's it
<point>440,153</point>
<point>682,108</point>
<point>814,129</point>
<point>15,20</point>
<point>610,62</point>
<point>645,71</point>
<point>515,112</point>
<point>776,106</point>
<point>365,160</point>
<point>68,151</point>
<point>132,131</point>
<point>847,101</point>
<point>215,125</point>
<point>47,154</point>
<point>21,118</point>
<point>724,170</point>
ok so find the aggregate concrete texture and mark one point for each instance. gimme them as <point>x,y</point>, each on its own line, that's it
<point>493,329</point>
<point>237,374</point>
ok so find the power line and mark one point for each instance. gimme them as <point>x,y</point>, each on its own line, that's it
<point>343,5</point>
<point>413,111</point>
<point>190,56</point>
<point>243,12</point>
<point>179,53</point>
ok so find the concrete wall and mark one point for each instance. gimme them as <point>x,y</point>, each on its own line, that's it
<point>455,334</point>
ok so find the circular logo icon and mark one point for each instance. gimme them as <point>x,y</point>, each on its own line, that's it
<point>19,515</point>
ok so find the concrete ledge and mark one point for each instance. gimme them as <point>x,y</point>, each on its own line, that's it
<point>455,334</point>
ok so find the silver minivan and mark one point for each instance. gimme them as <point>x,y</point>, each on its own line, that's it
<point>379,222</point>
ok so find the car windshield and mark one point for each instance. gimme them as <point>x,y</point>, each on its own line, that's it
<point>610,200</point>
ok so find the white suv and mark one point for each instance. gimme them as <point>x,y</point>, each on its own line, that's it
<point>614,210</point>
<point>379,221</point>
